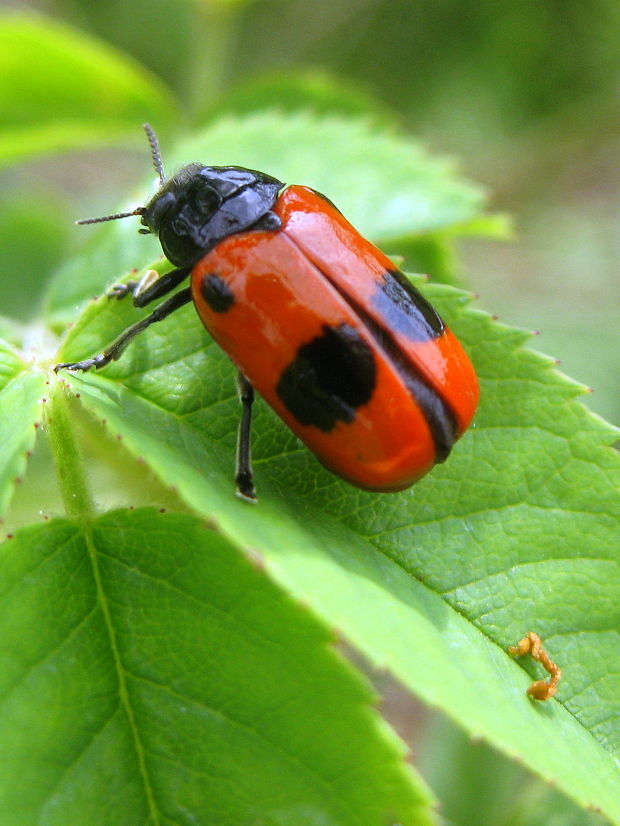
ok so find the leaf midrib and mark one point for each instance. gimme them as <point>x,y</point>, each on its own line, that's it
<point>121,676</point>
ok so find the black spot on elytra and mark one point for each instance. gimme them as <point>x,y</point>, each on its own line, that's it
<point>330,377</point>
<point>404,309</point>
<point>216,293</point>
<point>439,417</point>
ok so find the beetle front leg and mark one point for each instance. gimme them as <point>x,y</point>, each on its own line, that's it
<point>115,350</point>
<point>244,477</point>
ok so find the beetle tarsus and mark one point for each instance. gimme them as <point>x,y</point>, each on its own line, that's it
<point>84,366</point>
<point>120,291</point>
<point>245,486</point>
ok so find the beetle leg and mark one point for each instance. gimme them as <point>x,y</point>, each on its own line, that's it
<point>119,291</point>
<point>115,350</point>
<point>150,287</point>
<point>244,477</point>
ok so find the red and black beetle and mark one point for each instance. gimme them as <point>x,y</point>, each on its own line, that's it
<point>331,334</point>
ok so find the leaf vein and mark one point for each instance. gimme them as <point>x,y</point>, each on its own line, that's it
<point>296,759</point>
<point>121,672</point>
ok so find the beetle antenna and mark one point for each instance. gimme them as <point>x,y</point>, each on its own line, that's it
<point>155,153</point>
<point>138,211</point>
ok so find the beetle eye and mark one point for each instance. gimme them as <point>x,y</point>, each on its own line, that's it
<point>156,210</point>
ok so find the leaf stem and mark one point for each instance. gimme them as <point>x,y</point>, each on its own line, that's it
<point>72,481</point>
<point>212,42</point>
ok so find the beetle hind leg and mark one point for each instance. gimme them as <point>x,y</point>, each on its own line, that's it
<point>244,477</point>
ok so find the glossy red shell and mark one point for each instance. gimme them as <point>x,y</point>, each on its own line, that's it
<point>283,299</point>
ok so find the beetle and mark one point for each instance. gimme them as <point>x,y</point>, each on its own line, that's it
<point>330,333</point>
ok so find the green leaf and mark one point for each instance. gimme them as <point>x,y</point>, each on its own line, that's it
<point>151,674</point>
<point>21,392</point>
<point>310,90</point>
<point>516,532</point>
<point>387,186</point>
<point>60,89</point>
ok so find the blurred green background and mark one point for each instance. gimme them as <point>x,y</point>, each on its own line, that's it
<point>524,94</point>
